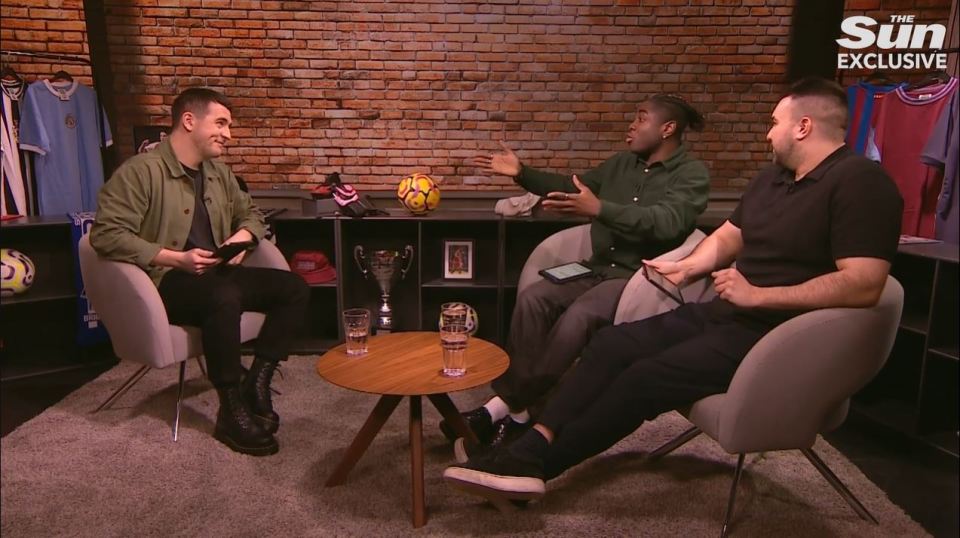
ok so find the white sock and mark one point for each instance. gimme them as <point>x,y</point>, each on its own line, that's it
<point>521,417</point>
<point>497,408</point>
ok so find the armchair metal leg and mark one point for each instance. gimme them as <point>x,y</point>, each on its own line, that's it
<point>733,495</point>
<point>838,485</point>
<point>176,418</point>
<point>203,369</point>
<point>674,444</point>
<point>127,385</point>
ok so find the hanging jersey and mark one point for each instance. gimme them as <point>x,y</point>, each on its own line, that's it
<point>66,128</point>
<point>862,98</point>
<point>903,125</point>
<point>14,91</point>
<point>14,201</point>
<point>943,152</point>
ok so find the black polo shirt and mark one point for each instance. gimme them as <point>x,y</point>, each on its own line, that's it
<point>794,231</point>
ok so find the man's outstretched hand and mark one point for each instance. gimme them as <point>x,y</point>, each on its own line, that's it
<point>505,162</point>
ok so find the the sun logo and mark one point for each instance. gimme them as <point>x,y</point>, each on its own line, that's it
<point>909,37</point>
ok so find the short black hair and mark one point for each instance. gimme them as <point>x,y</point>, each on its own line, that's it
<point>196,100</point>
<point>832,98</point>
<point>676,108</point>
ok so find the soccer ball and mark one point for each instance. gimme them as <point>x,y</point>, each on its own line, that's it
<point>473,320</point>
<point>17,272</point>
<point>418,193</point>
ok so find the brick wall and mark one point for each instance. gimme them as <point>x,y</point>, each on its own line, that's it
<point>380,89</point>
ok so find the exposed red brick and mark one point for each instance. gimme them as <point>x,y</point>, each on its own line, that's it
<point>380,89</point>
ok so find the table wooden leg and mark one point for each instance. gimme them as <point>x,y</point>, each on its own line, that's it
<point>449,411</point>
<point>416,462</point>
<point>381,412</point>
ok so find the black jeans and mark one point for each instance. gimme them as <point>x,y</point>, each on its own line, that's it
<point>214,302</point>
<point>633,372</point>
<point>551,324</point>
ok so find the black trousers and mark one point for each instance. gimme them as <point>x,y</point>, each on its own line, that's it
<point>214,302</point>
<point>633,372</point>
<point>551,324</point>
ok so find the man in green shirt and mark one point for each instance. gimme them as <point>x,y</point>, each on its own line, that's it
<point>641,202</point>
<point>168,211</point>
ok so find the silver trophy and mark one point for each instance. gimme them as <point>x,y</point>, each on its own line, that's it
<point>387,267</point>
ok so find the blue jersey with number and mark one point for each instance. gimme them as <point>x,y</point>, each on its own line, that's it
<point>66,128</point>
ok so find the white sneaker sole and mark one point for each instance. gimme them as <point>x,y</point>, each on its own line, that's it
<point>460,451</point>
<point>499,490</point>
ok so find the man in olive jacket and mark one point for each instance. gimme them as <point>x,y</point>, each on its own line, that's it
<point>168,211</point>
<point>641,202</point>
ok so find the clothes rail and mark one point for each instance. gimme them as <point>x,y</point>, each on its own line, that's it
<point>47,56</point>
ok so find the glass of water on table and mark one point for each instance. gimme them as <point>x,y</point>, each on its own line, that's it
<point>356,328</point>
<point>453,339</point>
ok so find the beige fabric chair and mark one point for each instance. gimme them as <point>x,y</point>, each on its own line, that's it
<point>796,383</point>
<point>130,307</point>
<point>573,244</point>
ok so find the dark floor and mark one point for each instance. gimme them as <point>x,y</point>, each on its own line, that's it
<point>923,481</point>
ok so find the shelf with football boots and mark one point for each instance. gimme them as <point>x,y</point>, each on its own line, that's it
<point>916,392</point>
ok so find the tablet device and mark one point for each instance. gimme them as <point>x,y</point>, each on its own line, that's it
<point>228,251</point>
<point>566,272</point>
<point>663,283</point>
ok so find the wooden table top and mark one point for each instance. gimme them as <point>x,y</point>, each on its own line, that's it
<point>408,364</point>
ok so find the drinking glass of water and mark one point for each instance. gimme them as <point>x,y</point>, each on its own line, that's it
<point>356,327</point>
<point>453,340</point>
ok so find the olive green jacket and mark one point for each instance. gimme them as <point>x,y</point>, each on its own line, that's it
<point>645,209</point>
<point>148,205</point>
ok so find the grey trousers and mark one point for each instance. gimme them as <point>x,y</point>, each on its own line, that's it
<point>551,324</point>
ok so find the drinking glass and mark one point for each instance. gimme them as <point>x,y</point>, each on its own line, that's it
<point>356,327</point>
<point>453,340</point>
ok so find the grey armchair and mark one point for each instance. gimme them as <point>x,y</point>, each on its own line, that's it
<point>130,307</point>
<point>638,300</point>
<point>796,383</point>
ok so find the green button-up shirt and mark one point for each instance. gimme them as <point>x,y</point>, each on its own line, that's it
<point>148,205</point>
<point>646,209</point>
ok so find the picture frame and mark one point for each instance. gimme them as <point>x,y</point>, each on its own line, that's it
<point>458,259</point>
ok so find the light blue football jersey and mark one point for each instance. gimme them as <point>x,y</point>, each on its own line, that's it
<point>63,126</point>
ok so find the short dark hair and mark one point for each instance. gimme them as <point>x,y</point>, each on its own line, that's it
<point>676,108</point>
<point>833,99</point>
<point>196,101</point>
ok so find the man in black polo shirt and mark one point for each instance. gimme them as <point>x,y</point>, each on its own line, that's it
<point>817,229</point>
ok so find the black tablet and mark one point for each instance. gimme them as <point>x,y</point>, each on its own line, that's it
<point>663,283</point>
<point>566,272</point>
<point>228,251</point>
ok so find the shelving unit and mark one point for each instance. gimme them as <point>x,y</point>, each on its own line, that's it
<point>916,393</point>
<point>501,246</point>
<point>38,329</point>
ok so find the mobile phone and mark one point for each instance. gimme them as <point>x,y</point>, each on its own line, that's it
<point>228,251</point>
<point>663,283</point>
<point>566,272</point>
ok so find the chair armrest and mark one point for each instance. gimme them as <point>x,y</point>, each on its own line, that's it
<point>266,255</point>
<point>803,370</point>
<point>129,306</point>
<point>565,246</point>
<point>641,300</point>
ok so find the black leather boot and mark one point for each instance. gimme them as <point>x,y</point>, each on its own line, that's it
<point>237,429</point>
<point>256,393</point>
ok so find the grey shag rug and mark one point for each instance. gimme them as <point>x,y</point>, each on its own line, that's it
<point>117,473</point>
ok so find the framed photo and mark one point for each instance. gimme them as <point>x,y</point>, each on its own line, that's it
<point>458,259</point>
<point>147,137</point>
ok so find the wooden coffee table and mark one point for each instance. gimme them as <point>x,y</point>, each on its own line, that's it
<point>406,364</point>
